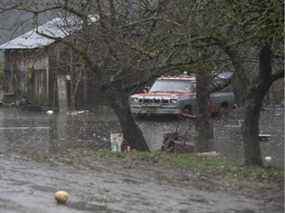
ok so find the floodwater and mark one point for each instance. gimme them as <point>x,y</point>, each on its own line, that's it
<point>28,186</point>
<point>227,137</point>
<point>31,131</point>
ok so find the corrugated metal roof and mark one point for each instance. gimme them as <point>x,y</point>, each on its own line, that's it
<point>30,40</point>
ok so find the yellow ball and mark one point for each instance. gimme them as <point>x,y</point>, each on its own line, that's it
<point>61,197</point>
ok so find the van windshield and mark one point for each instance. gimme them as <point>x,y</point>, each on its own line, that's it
<point>172,86</point>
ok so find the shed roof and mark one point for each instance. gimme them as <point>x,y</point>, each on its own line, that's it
<point>30,40</point>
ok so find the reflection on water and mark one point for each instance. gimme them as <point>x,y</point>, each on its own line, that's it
<point>35,131</point>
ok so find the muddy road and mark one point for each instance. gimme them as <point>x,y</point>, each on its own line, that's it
<point>28,186</point>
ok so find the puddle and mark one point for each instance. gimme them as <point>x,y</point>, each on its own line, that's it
<point>130,181</point>
<point>91,207</point>
<point>43,188</point>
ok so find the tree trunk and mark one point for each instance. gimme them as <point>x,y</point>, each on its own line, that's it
<point>240,80</point>
<point>72,102</point>
<point>250,129</point>
<point>203,125</point>
<point>132,133</point>
<point>253,106</point>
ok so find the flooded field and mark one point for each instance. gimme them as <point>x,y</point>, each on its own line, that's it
<point>28,186</point>
<point>30,131</point>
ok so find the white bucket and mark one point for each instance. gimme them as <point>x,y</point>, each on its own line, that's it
<point>116,142</point>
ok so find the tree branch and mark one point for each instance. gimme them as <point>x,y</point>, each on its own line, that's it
<point>82,53</point>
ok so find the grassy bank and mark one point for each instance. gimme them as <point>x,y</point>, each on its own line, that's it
<point>212,172</point>
<point>204,165</point>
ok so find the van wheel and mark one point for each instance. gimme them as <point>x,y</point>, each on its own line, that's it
<point>224,105</point>
<point>224,108</point>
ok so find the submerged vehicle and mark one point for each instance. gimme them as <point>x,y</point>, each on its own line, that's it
<point>174,95</point>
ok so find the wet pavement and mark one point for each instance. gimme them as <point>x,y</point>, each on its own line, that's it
<point>28,186</point>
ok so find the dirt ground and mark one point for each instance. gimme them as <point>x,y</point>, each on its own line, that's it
<point>98,185</point>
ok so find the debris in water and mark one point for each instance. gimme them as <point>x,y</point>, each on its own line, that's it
<point>77,112</point>
<point>264,137</point>
<point>173,142</point>
<point>50,112</point>
<point>268,159</point>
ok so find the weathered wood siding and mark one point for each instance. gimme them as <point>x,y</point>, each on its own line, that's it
<point>26,74</point>
<point>33,74</point>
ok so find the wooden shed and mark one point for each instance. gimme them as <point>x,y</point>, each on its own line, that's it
<point>42,71</point>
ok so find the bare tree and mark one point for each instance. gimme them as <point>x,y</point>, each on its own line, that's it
<point>132,42</point>
<point>113,39</point>
<point>244,36</point>
<point>262,22</point>
<point>186,38</point>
